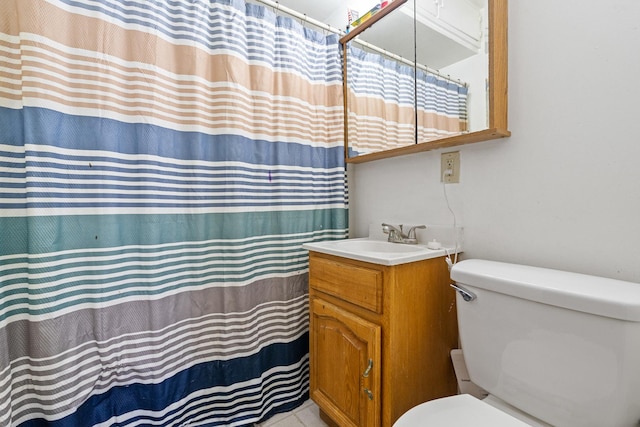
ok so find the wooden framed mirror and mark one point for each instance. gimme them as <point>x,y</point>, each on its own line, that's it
<point>492,91</point>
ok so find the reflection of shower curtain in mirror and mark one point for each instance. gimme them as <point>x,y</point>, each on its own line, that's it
<point>381,104</point>
<point>161,164</point>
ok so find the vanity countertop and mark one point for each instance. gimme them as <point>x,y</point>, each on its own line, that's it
<point>378,251</point>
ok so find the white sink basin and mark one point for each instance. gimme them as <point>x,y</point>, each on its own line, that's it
<point>376,246</point>
<point>376,251</point>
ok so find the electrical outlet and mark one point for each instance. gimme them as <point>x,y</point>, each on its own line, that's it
<point>450,167</point>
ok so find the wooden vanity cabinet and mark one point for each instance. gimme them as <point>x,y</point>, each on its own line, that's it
<point>380,338</point>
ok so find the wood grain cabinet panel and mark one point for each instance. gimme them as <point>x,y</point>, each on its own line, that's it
<point>380,338</point>
<point>356,284</point>
<point>353,346</point>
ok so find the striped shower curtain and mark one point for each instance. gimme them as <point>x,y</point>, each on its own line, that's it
<point>382,104</point>
<point>161,164</point>
<point>441,107</point>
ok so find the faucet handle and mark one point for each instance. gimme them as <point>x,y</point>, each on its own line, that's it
<point>412,231</point>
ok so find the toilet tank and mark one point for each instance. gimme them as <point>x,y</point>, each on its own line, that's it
<point>562,347</point>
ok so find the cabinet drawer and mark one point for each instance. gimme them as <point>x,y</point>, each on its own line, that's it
<point>358,285</point>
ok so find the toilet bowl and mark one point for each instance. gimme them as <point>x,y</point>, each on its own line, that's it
<point>550,348</point>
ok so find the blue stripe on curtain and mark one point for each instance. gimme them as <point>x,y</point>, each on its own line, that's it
<point>79,133</point>
<point>149,403</point>
<point>161,165</point>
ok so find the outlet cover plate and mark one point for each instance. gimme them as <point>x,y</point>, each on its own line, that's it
<point>450,167</point>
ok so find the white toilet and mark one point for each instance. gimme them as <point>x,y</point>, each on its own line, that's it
<point>550,347</point>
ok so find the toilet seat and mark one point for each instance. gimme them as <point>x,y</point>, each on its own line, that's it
<point>457,411</point>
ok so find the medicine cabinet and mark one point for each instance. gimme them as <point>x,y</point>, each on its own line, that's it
<point>372,134</point>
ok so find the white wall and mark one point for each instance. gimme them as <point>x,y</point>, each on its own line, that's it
<point>564,190</point>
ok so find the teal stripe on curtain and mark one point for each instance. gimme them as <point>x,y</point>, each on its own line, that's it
<point>161,165</point>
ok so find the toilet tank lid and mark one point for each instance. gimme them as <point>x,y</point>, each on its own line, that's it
<point>596,295</point>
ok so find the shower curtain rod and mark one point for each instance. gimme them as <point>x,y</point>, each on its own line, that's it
<point>303,17</point>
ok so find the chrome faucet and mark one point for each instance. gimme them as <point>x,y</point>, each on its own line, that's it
<point>396,235</point>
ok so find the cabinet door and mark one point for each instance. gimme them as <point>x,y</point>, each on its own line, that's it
<point>345,365</point>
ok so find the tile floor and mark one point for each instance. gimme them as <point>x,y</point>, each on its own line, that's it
<point>306,415</point>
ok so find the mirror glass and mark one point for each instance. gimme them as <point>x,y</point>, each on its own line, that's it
<point>446,95</point>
